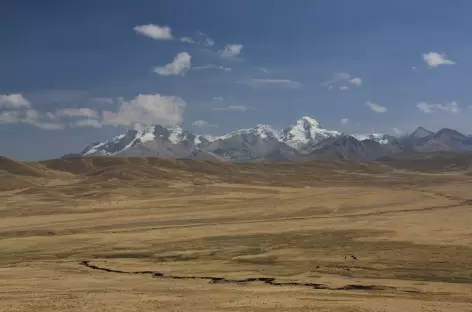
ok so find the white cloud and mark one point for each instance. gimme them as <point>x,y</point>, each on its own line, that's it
<point>92,123</point>
<point>203,124</point>
<point>342,77</point>
<point>179,66</point>
<point>234,108</point>
<point>77,112</point>
<point>32,117</point>
<point>212,66</point>
<point>147,109</point>
<point>204,39</point>
<point>187,40</point>
<point>434,59</point>
<point>154,31</point>
<point>47,121</point>
<point>425,107</point>
<point>281,83</point>
<point>376,107</point>
<point>356,81</point>
<point>397,131</point>
<point>208,42</point>
<point>344,121</point>
<point>344,88</point>
<point>414,68</point>
<point>218,98</point>
<point>336,78</point>
<point>451,107</point>
<point>264,70</point>
<point>14,101</point>
<point>231,50</point>
<point>10,117</point>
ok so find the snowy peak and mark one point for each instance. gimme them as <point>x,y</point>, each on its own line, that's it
<point>262,131</point>
<point>177,135</point>
<point>265,131</point>
<point>306,130</point>
<point>307,122</point>
<point>377,137</point>
<point>130,138</point>
<point>146,134</point>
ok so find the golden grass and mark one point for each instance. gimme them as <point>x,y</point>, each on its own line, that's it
<point>297,223</point>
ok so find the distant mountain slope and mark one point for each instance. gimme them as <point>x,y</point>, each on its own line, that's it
<point>434,162</point>
<point>349,148</point>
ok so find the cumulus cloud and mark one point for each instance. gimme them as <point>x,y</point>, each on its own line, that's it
<point>144,109</point>
<point>147,109</point>
<point>10,117</point>
<point>92,123</point>
<point>344,88</point>
<point>218,98</point>
<point>451,107</point>
<point>154,31</point>
<point>356,81</point>
<point>434,59</point>
<point>179,66</point>
<point>203,124</point>
<point>376,107</point>
<point>212,66</point>
<point>344,121</point>
<point>77,112</point>
<point>14,101</point>
<point>279,83</point>
<point>231,51</point>
<point>47,121</point>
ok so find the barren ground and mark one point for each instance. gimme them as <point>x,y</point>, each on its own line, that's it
<point>170,236</point>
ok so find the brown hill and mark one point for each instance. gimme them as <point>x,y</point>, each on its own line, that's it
<point>19,168</point>
<point>86,170</point>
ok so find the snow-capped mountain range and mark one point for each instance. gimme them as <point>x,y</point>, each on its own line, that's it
<point>306,139</point>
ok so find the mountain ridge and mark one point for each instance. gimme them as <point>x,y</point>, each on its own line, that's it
<point>304,140</point>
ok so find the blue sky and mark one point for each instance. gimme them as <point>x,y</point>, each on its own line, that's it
<point>75,72</point>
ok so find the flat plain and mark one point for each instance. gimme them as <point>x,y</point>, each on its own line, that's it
<point>145,234</point>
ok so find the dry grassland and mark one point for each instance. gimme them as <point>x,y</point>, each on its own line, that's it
<point>154,235</point>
